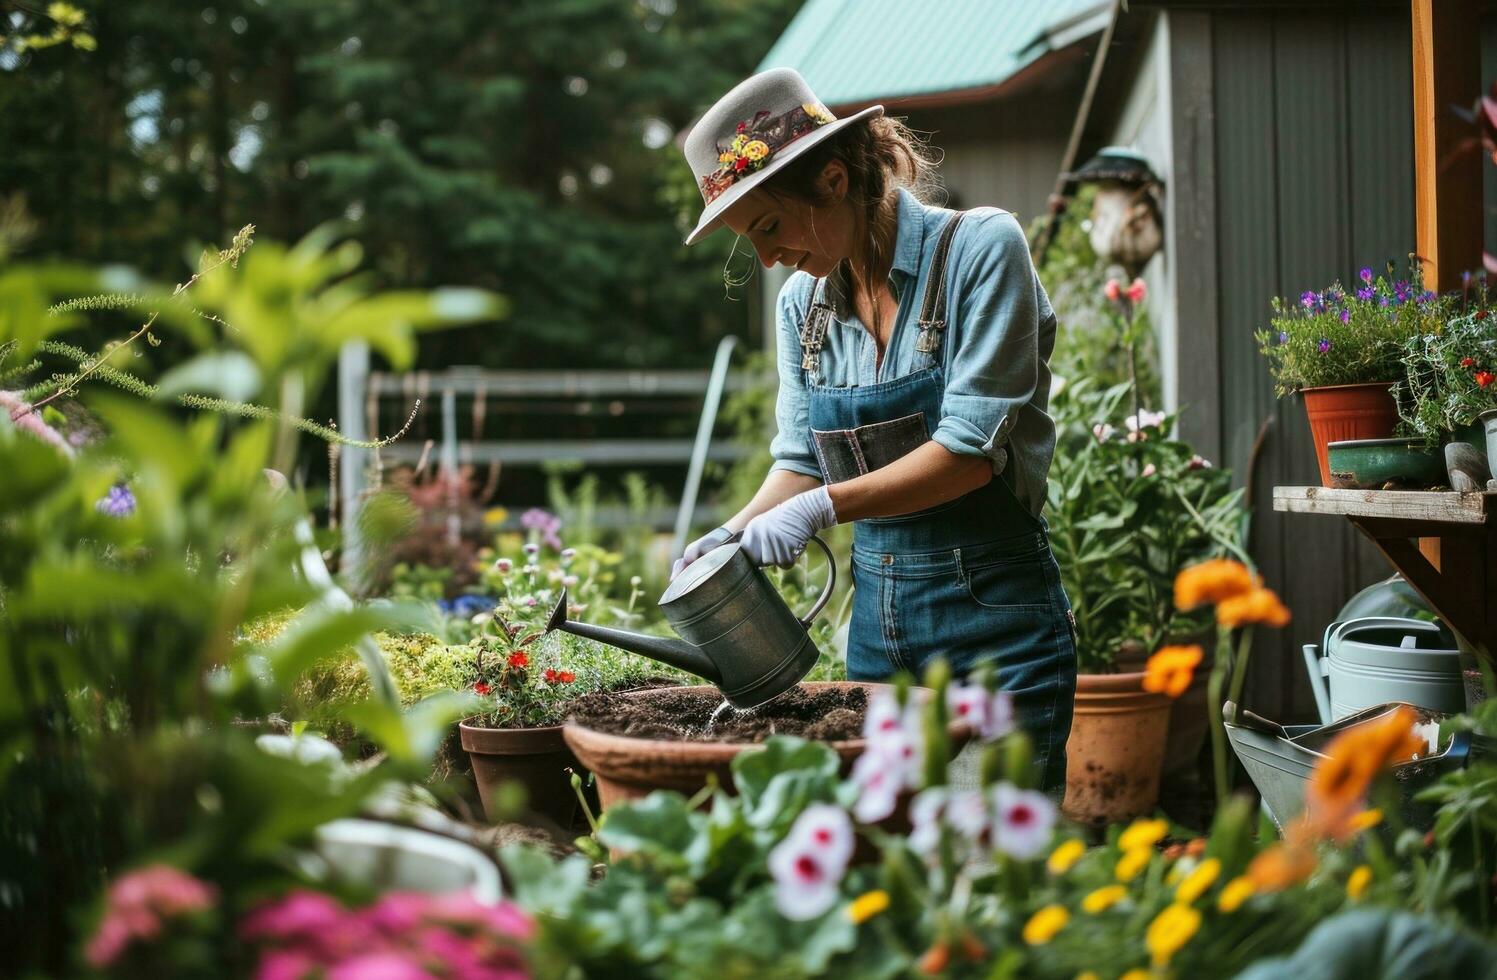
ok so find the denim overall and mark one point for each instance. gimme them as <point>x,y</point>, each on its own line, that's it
<point>972,580</point>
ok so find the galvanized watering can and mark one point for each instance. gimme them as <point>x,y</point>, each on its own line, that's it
<point>1378,659</point>
<point>736,630</point>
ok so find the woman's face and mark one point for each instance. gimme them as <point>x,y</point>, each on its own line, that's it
<point>797,233</point>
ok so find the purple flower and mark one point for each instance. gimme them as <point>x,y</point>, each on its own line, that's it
<point>1382,301</point>
<point>545,522</point>
<point>1309,299</point>
<point>1366,292</point>
<point>1428,296</point>
<point>119,502</point>
<point>1366,274</point>
<point>1324,345</point>
<point>1345,316</point>
<point>1283,336</point>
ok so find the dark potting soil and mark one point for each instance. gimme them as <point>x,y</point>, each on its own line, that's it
<point>825,714</point>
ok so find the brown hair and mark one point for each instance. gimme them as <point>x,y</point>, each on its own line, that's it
<point>881,155</point>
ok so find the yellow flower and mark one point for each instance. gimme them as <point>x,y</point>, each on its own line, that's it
<point>739,142</point>
<point>1170,930</point>
<point>756,150</point>
<point>1170,670</point>
<point>1234,893</point>
<point>1357,884</point>
<point>1103,898</point>
<point>1136,973</point>
<point>495,515</point>
<point>725,157</point>
<point>1044,924</point>
<point>818,112</point>
<point>1364,820</point>
<point>1143,833</point>
<point>1132,862</point>
<point>1196,883</point>
<point>867,905</point>
<point>65,13</point>
<point>1064,857</point>
<point>1088,975</point>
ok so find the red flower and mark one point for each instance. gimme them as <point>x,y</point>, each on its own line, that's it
<point>519,659</point>
<point>567,677</point>
<point>1467,361</point>
<point>482,688</point>
<point>742,127</point>
<point>1484,378</point>
<point>550,676</point>
<point>1482,314</point>
<point>741,163</point>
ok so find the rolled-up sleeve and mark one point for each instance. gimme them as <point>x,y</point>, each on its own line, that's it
<point>791,446</point>
<point>992,337</point>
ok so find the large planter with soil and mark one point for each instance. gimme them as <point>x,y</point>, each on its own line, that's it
<point>638,741</point>
<point>1116,750</point>
<point>1343,412</point>
<point>537,758</point>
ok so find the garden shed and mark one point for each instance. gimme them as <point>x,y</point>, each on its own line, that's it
<point>1284,136</point>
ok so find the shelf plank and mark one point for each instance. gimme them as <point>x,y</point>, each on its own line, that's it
<point>1407,505</point>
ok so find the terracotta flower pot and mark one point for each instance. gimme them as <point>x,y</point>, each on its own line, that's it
<point>1116,750</point>
<point>1341,412</point>
<point>629,768</point>
<point>538,758</point>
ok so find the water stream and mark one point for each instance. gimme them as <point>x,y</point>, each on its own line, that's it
<point>725,706</point>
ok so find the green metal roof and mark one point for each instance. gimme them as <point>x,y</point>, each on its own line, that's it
<point>856,51</point>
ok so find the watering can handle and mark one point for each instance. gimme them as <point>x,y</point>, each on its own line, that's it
<point>1316,669</point>
<point>831,583</point>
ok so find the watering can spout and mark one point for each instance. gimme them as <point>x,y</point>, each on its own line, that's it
<point>673,653</point>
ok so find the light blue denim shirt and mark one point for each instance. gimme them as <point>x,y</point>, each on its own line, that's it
<point>994,353</point>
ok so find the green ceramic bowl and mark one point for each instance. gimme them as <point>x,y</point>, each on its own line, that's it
<point>1385,464</point>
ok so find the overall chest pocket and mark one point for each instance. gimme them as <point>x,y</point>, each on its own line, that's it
<point>1006,577</point>
<point>845,454</point>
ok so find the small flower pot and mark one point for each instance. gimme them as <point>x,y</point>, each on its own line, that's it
<point>1343,412</point>
<point>537,758</point>
<point>1385,464</point>
<point>1115,754</point>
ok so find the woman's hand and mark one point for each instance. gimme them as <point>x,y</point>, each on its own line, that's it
<point>700,547</point>
<point>779,535</point>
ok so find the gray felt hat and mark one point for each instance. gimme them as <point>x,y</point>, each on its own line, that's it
<point>766,121</point>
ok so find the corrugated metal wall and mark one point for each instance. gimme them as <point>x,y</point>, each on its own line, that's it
<point>1314,172</point>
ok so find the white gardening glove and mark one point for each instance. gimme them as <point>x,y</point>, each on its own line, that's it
<point>779,535</point>
<point>700,547</point>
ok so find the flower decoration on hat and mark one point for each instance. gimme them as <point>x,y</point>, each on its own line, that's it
<point>755,142</point>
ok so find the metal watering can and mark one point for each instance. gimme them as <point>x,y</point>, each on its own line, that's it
<point>736,630</point>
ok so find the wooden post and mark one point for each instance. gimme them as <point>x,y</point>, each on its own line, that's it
<point>1447,178</point>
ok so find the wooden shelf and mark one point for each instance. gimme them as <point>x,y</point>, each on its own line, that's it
<point>1446,507</point>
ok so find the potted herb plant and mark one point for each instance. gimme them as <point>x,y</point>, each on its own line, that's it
<point>1342,351</point>
<point>1128,508</point>
<point>1448,391</point>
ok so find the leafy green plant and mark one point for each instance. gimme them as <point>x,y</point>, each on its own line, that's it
<point>1333,337</point>
<point>1449,375</point>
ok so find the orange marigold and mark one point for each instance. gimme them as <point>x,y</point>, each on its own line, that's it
<point>1258,606</point>
<point>1337,791</point>
<point>1281,866</point>
<point>1169,671</point>
<point>1212,581</point>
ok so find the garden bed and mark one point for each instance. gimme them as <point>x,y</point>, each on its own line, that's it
<point>824,714</point>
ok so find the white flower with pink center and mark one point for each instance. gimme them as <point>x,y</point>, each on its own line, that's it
<point>967,814</point>
<point>1023,821</point>
<point>809,863</point>
<point>926,812</point>
<point>878,785</point>
<point>989,714</point>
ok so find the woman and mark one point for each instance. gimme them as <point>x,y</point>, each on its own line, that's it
<point>913,344</point>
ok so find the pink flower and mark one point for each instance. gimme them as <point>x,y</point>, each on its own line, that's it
<point>137,902</point>
<point>503,566</point>
<point>878,788</point>
<point>301,914</point>
<point>379,966</point>
<point>1148,470</point>
<point>1103,431</point>
<point>1145,419</point>
<point>967,813</point>
<point>1024,820</point>
<point>1198,462</point>
<point>1112,290</point>
<point>1137,291</point>
<point>18,411</point>
<point>808,865</point>
<point>990,714</point>
<point>286,964</point>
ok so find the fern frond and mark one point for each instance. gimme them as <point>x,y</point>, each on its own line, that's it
<point>248,410</point>
<point>103,301</point>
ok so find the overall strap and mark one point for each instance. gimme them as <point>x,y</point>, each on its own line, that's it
<point>813,332</point>
<point>933,307</point>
